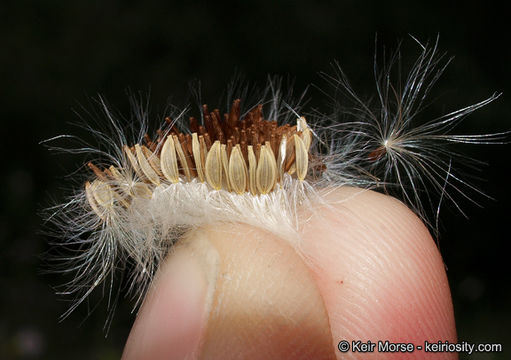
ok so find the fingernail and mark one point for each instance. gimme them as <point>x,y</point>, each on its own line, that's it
<point>172,318</point>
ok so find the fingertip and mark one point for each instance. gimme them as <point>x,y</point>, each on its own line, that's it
<point>259,300</point>
<point>379,271</point>
<point>170,322</point>
<point>266,304</point>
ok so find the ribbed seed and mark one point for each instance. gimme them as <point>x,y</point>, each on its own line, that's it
<point>225,167</point>
<point>182,158</point>
<point>89,193</point>
<point>141,190</point>
<point>252,168</point>
<point>305,132</point>
<point>213,166</point>
<point>146,167</point>
<point>116,175</point>
<point>203,154</point>
<point>133,161</point>
<point>307,138</point>
<point>237,171</point>
<point>121,198</point>
<point>153,159</point>
<point>197,157</point>
<point>266,171</point>
<point>270,150</point>
<point>118,185</point>
<point>103,194</point>
<point>168,160</point>
<point>302,158</point>
<point>301,124</point>
<point>289,165</point>
<point>100,197</point>
<point>282,157</point>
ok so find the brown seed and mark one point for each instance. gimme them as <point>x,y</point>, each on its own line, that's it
<point>100,174</point>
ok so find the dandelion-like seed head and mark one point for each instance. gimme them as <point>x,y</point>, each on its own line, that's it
<point>258,166</point>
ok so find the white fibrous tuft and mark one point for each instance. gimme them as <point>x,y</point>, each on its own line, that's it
<point>257,163</point>
<point>387,144</point>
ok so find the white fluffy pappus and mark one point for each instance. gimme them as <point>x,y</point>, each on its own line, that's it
<point>256,164</point>
<point>385,143</point>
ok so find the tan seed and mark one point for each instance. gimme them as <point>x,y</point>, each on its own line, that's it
<point>213,166</point>
<point>266,173</point>
<point>146,167</point>
<point>282,157</point>
<point>225,167</point>
<point>133,161</point>
<point>182,158</point>
<point>89,193</point>
<point>168,160</point>
<point>302,159</point>
<point>252,167</point>
<point>307,138</point>
<point>154,160</point>
<point>197,156</point>
<point>237,171</point>
<point>141,190</point>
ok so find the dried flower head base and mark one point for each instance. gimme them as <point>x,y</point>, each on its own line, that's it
<point>248,154</point>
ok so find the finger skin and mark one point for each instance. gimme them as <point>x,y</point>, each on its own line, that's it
<point>380,274</point>
<point>266,304</point>
<point>362,268</point>
<point>170,323</point>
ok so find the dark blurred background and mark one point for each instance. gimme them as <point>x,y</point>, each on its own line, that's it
<point>55,55</point>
